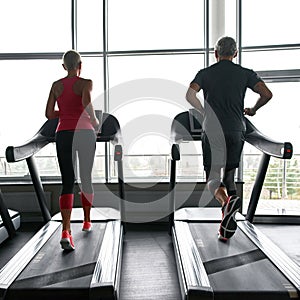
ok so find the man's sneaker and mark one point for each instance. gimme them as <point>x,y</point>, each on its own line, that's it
<point>87,226</point>
<point>228,224</point>
<point>66,241</point>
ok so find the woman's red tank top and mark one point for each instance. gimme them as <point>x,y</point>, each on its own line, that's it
<point>72,115</point>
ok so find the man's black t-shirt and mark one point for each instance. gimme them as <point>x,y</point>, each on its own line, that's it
<point>224,86</point>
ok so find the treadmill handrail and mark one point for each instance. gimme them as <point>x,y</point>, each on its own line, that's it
<point>181,131</point>
<point>44,136</point>
<point>110,132</point>
<point>195,276</point>
<point>17,264</point>
<point>282,261</point>
<point>267,145</point>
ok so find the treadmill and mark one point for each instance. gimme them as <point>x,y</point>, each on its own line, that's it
<point>249,265</point>
<point>41,269</point>
<point>9,221</point>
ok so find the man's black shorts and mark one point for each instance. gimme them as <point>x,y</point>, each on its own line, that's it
<point>222,150</point>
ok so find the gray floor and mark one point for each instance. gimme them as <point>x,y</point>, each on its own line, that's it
<point>148,267</point>
<point>286,237</point>
<point>11,246</point>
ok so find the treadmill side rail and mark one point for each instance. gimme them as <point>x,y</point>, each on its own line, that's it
<point>105,275</point>
<point>285,264</point>
<point>17,264</point>
<point>195,281</point>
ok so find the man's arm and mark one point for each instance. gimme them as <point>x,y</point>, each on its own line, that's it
<point>191,97</point>
<point>265,95</point>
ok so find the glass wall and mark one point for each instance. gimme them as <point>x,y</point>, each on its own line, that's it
<point>146,93</point>
<point>89,25</point>
<point>141,56</point>
<point>35,26</point>
<point>156,24</point>
<point>280,122</point>
<point>148,48</point>
<point>269,22</point>
<point>272,46</point>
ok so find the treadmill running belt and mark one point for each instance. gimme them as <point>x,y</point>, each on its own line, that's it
<point>54,273</point>
<point>238,266</point>
<point>225,263</point>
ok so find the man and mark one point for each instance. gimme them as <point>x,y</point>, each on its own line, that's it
<point>224,85</point>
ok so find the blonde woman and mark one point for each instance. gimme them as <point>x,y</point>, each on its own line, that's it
<point>75,133</point>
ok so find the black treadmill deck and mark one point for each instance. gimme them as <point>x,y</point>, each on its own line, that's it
<point>237,266</point>
<point>42,270</point>
<point>236,269</point>
<point>57,273</point>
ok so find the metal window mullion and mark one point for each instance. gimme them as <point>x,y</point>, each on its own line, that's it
<point>206,32</point>
<point>74,23</point>
<point>240,170</point>
<point>28,56</point>
<point>148,52</point>
<point>276,47</point>
<point>239,29</point>
<point>106,84</point>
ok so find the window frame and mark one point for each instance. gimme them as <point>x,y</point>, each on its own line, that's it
<point>289,75</point>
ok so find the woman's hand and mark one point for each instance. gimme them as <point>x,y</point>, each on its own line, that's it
<point>95,124</point>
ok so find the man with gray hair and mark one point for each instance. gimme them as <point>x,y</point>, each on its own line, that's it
<point>226,47</point>
<point>224,85</point>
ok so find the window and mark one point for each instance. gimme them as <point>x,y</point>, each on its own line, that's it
<point>146,93</point>
<point>271,46</point>
<point>35,26</point>
<point>42,39</point>
<point>27,84</point>
<point>270,22</point>
<point>271,59</point>
<point>18,120</point>
<point>89,26</point>
<point>155,48</point>
<point>144,25</point>
<point>278,120</point>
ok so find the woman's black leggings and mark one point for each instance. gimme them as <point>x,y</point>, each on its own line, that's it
<point>214,180</point>
<point>68,143</point>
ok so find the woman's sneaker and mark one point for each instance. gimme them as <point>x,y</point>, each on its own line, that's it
<point>228,224</point>
<point>87,226</point>
<point>66,241</point>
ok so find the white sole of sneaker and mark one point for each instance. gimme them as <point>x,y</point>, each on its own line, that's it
<point>228,223</point>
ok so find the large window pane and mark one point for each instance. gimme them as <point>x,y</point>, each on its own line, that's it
<point>279,120</point>
<point>271,60</point>
<point>92,68</point>
<point>25,105</point>
<point>24,101</point>
<point>179,68</point>
<point>269,22</point>
<point>140,78</point>
<point>23,108</point>
<point>35,26</point>
<point>89,25</point>
<point>146,93</point>
<point>155,24</point>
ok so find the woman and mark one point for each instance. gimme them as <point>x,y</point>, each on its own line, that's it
<point>75,133</point>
